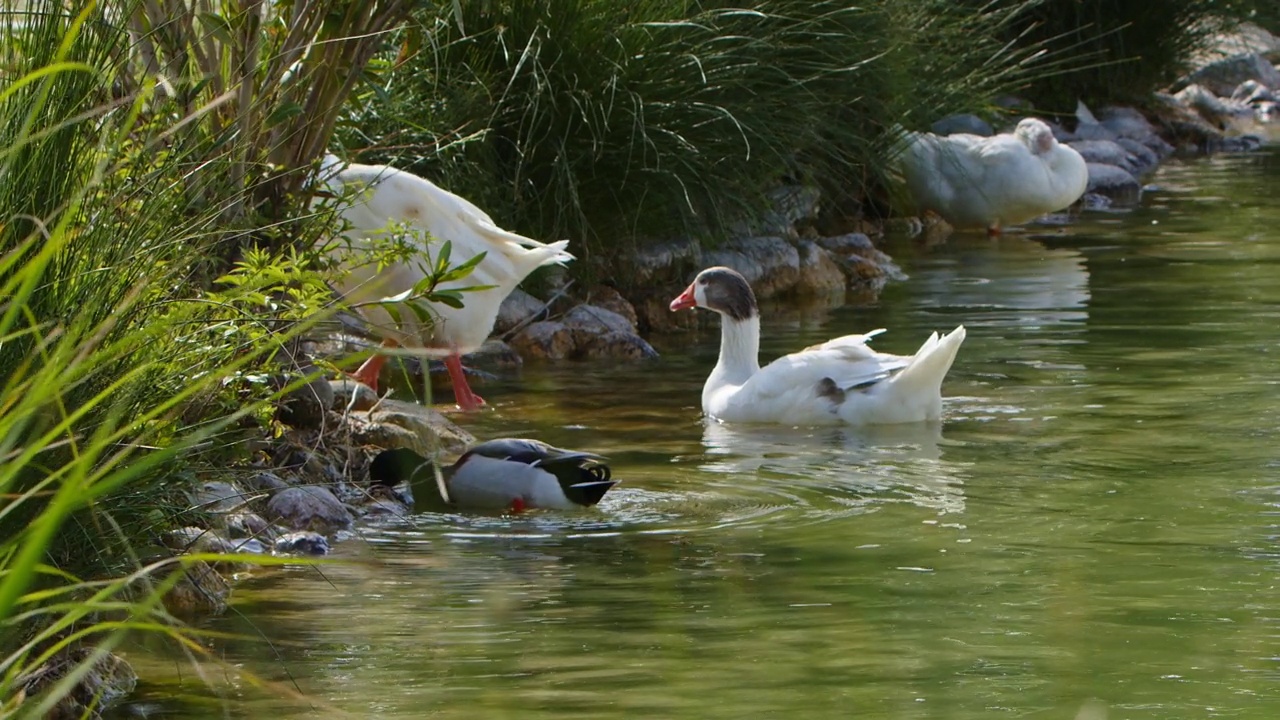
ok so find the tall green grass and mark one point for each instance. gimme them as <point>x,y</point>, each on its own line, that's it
<point>138,162</point>
<point>1119,50</point>
<point>608,122</point>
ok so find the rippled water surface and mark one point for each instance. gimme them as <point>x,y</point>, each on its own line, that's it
<point>1096,519</point>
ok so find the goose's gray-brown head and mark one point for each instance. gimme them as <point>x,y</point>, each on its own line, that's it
<point>721,289</point>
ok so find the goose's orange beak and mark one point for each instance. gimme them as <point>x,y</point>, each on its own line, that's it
<point>685,300</point>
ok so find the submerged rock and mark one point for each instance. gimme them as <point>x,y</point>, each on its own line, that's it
<point>1142,159</point>
<point>770,264</point>
<point>309,508</point>
<point>304,542</point>
<point>1115,183</point>
<point>199,590</point>
<point>109,680</point>
<point>544,340</point>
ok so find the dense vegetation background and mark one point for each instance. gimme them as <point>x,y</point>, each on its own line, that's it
<point>157,241</point>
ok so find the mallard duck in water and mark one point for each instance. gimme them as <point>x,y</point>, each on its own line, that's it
<point>505,474</point>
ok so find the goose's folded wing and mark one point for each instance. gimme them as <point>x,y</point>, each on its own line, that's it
<point>843,363</point>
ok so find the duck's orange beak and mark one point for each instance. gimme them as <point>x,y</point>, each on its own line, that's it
<point>685,300</point>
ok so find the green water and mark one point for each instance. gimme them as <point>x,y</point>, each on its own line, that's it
<point>1097,518</point>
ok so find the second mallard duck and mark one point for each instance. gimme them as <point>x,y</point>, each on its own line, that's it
<point>505,474</point>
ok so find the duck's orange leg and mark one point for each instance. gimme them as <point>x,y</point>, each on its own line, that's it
<point>466,398</point>
<point>370,369</point>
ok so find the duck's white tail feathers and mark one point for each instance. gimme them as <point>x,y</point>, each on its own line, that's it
<point>539,254</point>
<point>921,380</point>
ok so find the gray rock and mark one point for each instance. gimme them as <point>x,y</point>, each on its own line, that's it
<point>264,482</point>
<point>1115,183</point>
<point>1241,143</point>
<point>610,299</point>
<point>595,320</point>
<point>1126,122</point>
<point>863,263</point>
<point>1143,159</point>
<point>215,496</point>
<point>1252,92</point>
<point>770,264</point>
<point>493,353</point>
<point>428,424</point>
<point>348,394</point>
<point>617,345</point>
<point>653,311</point>
<point>545,340</point>
<point>302,543</point>
<point>247,525</point>
<point>1105,152</point>
<point>1222,113</point>
<point>518,307</point>
<point>106,682</point>
<point>1093,131</point>
<point>309,508</point>
<point>1221,77</point>
<point>199,590</point>
<point>820,274</point>
<point>1184,125</point>
<point>306,407</point>
<point>665,261</point>
<point>792,204</point>
<point>966,123</point>
<point>1094,201</point>
<point>1060,133</point>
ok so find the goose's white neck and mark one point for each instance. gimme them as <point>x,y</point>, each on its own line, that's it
<point>739,353</point>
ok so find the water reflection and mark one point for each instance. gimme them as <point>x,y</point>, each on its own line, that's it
<point>857,464</point>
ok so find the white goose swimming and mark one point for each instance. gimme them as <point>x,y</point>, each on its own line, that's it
<point>392,196</point>
<point>840,381</point>
<point>1006,179</point>
<point>505,474</point>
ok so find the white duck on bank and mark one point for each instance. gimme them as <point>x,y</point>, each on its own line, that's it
<point>989,182</point>
<point>389,196</point>
<point>505,474</point>
<point>840,381</point>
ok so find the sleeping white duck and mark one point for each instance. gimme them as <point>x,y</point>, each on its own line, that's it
<point>1006,179</point>
<point>840,381</point>
<point>388,196</point>
<point>512,474</point>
